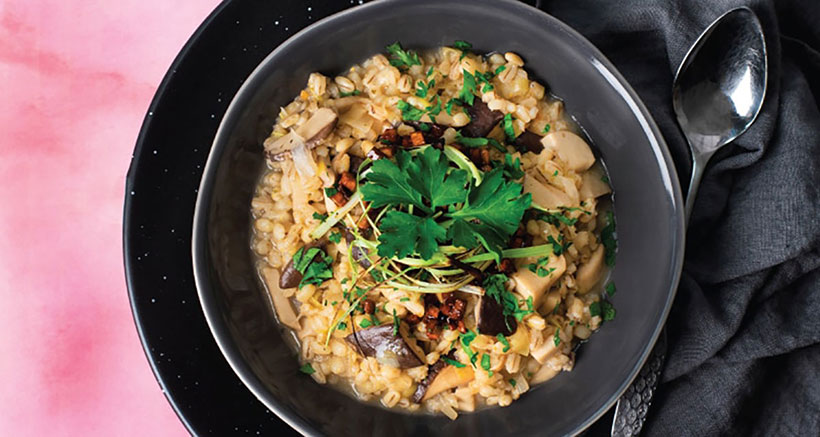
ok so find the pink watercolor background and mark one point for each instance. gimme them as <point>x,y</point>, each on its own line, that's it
<point>76,80</point>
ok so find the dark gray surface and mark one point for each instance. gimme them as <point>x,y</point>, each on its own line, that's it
<point>648,212</point>
<point>744,330</point>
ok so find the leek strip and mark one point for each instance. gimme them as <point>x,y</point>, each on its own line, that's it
<point>464,163</point>
<point>335,216</point>
<point>523,252</point>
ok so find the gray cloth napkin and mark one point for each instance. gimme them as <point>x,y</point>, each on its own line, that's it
<point>744,353</point>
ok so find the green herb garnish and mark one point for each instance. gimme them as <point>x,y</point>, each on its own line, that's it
<point>335,237</point>
<point>341,326</point>
<point>365,323</point>
<point>556,339</point>
<point>467,93</point>
<point>351,93</point>
<point>423,88</point>
<point>464,46</point>
<point>503,341</point>
<point>479,142</point>
<point>610,289</point>
<point>546,128</point>
<point>395,323</point>
<point>307,369</point>
<point>485,364</point>
<point>313,264</point>
<point>453,362</point>
<point>509,131</point>
<point>495,287</point>
<point>499,69</point>
<point>607,310</point>
<point>401,57</point>
<point>595,309</point>
<point>512,169</point>
<point>320,217</point>
<point>404,299</point>
<point>429,71</point>
<point>512,382</point>
<point>466,339</point>
<point>331,191</point>
<point>609,240</point>
<point>409,112</point>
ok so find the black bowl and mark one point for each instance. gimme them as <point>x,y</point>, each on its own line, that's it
<point>648,211</point>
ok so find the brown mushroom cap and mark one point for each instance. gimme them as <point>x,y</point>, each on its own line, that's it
<point>490,319</point>
<point>388,349</point>
<point>482,119</point>
<point>529,142</point>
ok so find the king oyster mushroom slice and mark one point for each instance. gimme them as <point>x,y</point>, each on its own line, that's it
<point>442,377</point>
<point>315,129</point>
<point>391,350</point>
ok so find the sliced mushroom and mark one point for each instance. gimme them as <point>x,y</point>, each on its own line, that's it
<point>318,126</point>
<point>290,276</point>
<point>529,284</point>
<point>544,195</point>
<point>490,319</point>
<point>589,273</point>
<point>284,310</point>
<point>571,149</point>
<point>442,377</point>
<point>388,349</point>
<point>482,119</point>
<point>592,184</point>
<point>358,253</point>
<point>529,142</point>
<point>546,350</point>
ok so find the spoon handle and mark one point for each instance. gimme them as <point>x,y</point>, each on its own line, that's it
<point>699,161</point>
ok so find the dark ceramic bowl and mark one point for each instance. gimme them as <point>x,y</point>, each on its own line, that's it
<point>648,213</point>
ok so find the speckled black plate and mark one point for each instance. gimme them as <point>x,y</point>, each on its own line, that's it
<point>161,192</point>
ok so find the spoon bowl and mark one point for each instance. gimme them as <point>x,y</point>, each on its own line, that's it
<point>719,87</point>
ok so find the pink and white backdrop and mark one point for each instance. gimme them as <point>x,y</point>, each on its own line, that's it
<point>76,80</point>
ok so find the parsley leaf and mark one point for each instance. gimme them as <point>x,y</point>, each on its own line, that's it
<point>404,234</point>
<point>401,57</point>
<point>320,217</point>
<point>607,310</point>
<point>435,109</point>
<point>503,341</point>
<point>495,287</point>
<point>449,106</point>
<point>331,191</point>
<point>307,369</point>
<point>490,215</point>
<point>335,237</point>
<point>512,169</point>
<point>509,132</point>
<point>595,309</point>
<point>395,324</point>
<point>609,240</point>
<point>479,142</point>
<point>314,270</point>
<point>512,382</point>
<point>499,69</point>
<point>467,93</point>
<point>466,339</point>
<point>352,93</point>
<point>430,178</point>
<point>547,128</point>
<point>388,183</point>
<point>464,46</point>
<point>452,362</point>
<point>409,112</point>
<point>429,71</point>
<point>423,88</point>
<point>485,364</point>
<point>554,218</point>
<point>610,289</point>
<point>556,339</point>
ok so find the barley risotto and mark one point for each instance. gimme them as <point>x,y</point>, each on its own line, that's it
<point>433,231</point>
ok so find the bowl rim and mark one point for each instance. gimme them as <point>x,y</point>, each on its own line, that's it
<point>199,248</point>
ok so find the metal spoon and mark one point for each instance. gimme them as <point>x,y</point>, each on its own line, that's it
<point>717,94</point>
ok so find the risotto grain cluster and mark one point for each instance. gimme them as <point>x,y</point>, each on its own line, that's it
<point>431,230</point>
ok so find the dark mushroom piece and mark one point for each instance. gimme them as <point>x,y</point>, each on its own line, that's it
<point>358,253</point>
<point>388,349</point>
<point>482,119</point>
<point>529,142</point>
<point>490,319</point>
<point>291,277</point>
<point>441,377</point>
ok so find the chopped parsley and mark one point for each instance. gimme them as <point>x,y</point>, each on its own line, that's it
<point>607,311</point>
<point>610,289</point>
<point>547,128</point>
<point>503,341</point>
<point>509,132</point>
<point>402,58</point>
<point>351,93</point>
<point>512,169</point>
<point>449,106</point>
<point>608,238</point>
<point>365,323</point>
<point>395,323</point>
<point>409,112</point>
<point>486,79</point>
<point>453,362</point>
<point>557,247</point>
<point>554,218</point>
<point>320,217</point>
<point>605,179</point>
<point>555,338</point>
<point>404,299</point>
<point>331,191</point>
<point>429,71</point>
<point>313,264</point>
<point>424,127</point>
<point>434,109</point>
<point>466,339</point>
<point>467,93</point>
<point>423,88</point>
<point>479,142</point>
<point>464,46</point>
<point>539,267</point>
<point>307,369</point>
<point>485,364</point>
<point>341,326</point>
<point>595,309</point>
<point>499,69</point>
<point>495,287</point>
<point>512,382</point>
<point>335,237</point>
